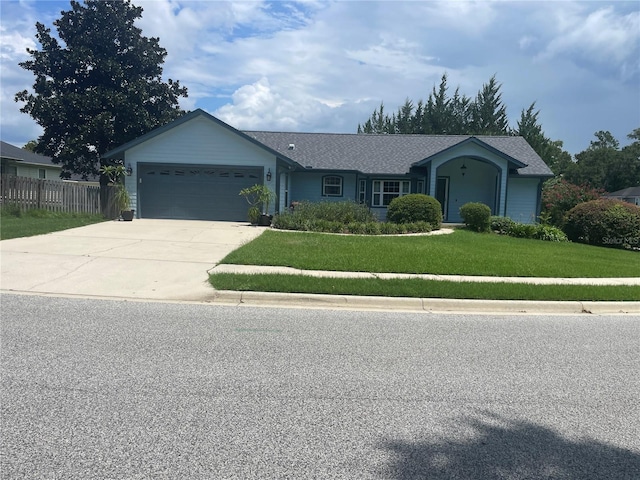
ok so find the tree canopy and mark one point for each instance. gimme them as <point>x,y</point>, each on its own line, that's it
<point>486,114</point>
<point>445,115</point>
<point>99,86</point>
<point>605,165</point>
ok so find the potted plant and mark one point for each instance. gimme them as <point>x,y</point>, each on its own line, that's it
<point>115,174</point>
<point>258,196</point>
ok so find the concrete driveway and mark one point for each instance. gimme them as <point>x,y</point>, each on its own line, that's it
<point>143,259</point>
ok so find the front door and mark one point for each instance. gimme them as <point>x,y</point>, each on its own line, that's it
<point>442,195</point>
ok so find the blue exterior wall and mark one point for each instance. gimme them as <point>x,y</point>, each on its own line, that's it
<point>307,186</point>
<point>522,199</point>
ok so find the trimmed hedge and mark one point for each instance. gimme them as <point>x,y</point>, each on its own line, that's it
<point>415,207</point>
<point>604,222</point>
<point>476,216</point>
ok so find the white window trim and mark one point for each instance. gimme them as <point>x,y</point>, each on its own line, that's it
<point>377,190</point>
<point>325,185</point>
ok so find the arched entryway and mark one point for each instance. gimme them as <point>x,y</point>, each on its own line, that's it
<point>467,179</point>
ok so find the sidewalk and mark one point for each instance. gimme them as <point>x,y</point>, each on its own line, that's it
<point>254,269</point>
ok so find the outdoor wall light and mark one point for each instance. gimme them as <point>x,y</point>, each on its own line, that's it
<point>129,170</point>
<point>269,175</point>
<point>463,169</point>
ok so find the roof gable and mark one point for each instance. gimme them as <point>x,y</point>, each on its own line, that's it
<point>119,151</point>
<point>450,151</point>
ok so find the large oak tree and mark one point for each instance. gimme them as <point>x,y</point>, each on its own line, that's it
<point>97,85</point>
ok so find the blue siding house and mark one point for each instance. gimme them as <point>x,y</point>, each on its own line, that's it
<point>194,167</point>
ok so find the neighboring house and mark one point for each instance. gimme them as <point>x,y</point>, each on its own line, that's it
<point>23,163</point>
<point>631,195</point>
<point>194,167</point>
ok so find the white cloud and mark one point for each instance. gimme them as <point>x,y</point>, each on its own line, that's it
<point>604,36</point>
<point>260,106</point>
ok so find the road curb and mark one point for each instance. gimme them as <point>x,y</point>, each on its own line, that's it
<point>427,305</point>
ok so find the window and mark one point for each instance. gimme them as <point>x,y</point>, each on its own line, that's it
<point>9,169</point>
<point>386,190</point>
<point>362,191</point>
<point>332,186</point>
<point>420,186</point>
<point>42,173</point>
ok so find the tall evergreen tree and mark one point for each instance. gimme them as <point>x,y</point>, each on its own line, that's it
<point>403,123</point>
<point>550,151</point>
<point>489,114</point>
<point>101,87</point>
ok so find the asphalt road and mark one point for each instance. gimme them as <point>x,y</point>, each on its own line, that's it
<point>128,390</point>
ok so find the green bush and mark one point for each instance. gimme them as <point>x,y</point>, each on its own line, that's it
<point>560,196</point>
<point>336,217</point>
<point>501,225</point>
<point>323,216</point>
<point>522,230</point>
<point>507,226</point>
<point>415,207</point>
<point>476,216</point>
<point>549,233</point>
<point>604,222</point>
<point>343,212</point>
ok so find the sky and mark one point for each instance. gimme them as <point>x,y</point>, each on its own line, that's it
<point>325,66</point>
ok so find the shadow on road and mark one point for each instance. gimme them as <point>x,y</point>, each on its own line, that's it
<point>503,449</point>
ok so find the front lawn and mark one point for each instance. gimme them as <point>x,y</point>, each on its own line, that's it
<point>14,224</point>
<point>460,253</point>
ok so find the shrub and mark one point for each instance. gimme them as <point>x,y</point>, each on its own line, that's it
<point>560,196</point>
<point>417,227</point>
<point>549,233</point>
<point>604,222</point>
<point>522,230</point>
<point>372,228</point>
<point>507,226</point>
<point>501,225</point>
<point>343,212</point>
<point>309,216</point>
<point>476,216</point>
<point>415,207</point>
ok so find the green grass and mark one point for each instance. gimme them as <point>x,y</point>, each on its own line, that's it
<point>15,224</point>
<point>460,253</point>
<point>422,288</point>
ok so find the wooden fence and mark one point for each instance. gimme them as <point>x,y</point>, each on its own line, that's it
<point>56,195</point>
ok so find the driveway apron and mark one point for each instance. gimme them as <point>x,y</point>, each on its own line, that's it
<point>143,259</point>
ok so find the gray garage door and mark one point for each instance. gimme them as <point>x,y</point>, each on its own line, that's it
<point>195,192</point>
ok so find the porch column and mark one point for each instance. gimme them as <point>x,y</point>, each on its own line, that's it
<point>502,207</point>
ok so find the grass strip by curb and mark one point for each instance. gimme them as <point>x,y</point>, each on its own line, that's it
<point>419,288</point>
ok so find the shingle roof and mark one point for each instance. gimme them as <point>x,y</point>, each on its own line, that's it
<point>625,192</point>
<point>391,154</point>
<point>20,154</point>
